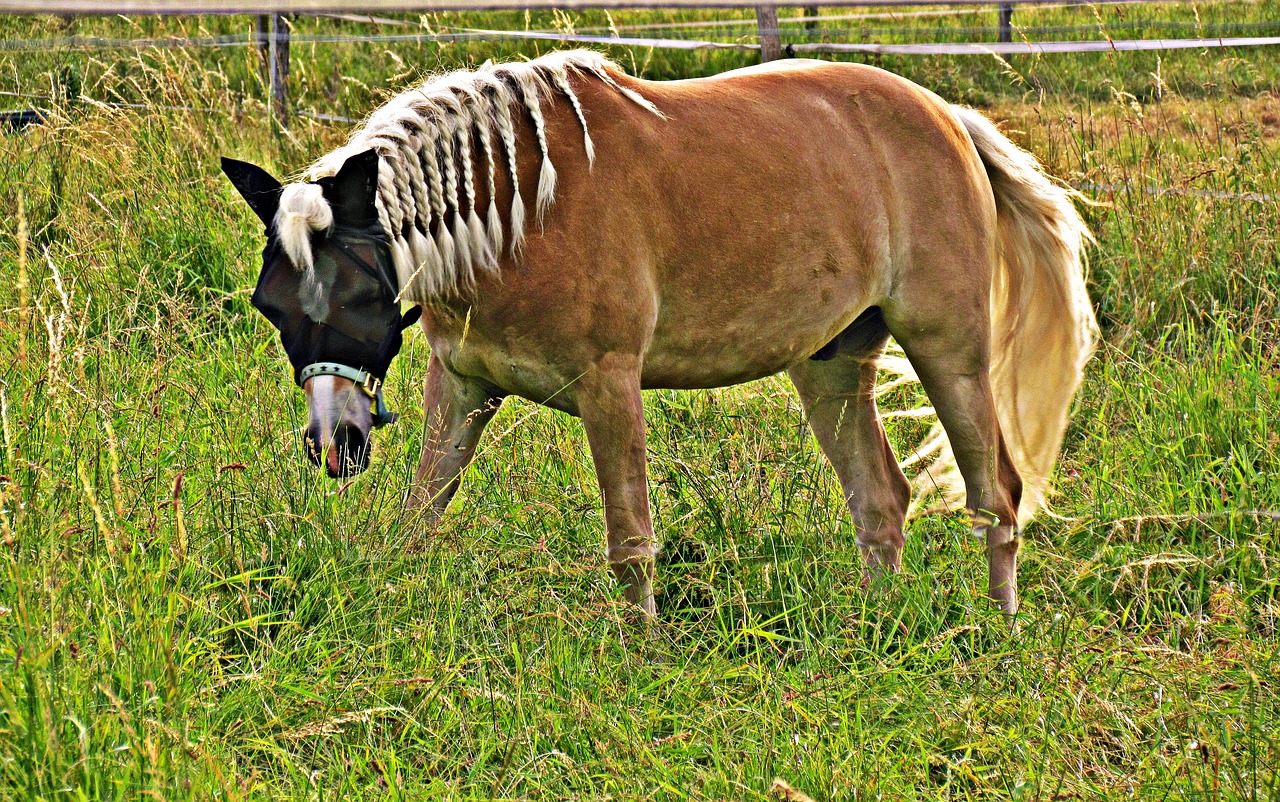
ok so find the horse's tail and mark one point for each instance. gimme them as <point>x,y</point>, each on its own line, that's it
<point>1042,326</point>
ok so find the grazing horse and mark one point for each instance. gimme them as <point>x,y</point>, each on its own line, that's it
<point>688,234</point>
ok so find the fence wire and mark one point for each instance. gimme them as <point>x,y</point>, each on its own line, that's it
<point>801,32</point>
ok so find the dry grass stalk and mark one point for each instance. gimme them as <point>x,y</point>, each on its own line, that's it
<point>24,299</point>
<point>179,546</point>
<point>783,790</point>
<point>113,451</point>
<point>108,538</point>
<point>334,725</point>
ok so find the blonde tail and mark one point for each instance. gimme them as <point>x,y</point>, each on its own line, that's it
<point>1042,324</point>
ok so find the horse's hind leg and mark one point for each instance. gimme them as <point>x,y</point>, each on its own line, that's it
<point>947,343</point>
<point>839,399</point>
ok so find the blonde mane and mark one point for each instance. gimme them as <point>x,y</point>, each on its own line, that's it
<point>430,140</point>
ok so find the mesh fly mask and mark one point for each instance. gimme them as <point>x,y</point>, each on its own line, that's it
<point>342,316</point>
<point>360,327</point>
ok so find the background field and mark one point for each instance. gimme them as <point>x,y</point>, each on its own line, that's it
<point>187,611</point>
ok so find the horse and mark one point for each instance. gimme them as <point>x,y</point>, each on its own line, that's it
<point>792,216</point>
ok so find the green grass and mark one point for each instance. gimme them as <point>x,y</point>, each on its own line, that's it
<point>187,611</point>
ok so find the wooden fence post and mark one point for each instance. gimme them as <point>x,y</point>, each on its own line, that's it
<point>811,26</point>
<point>278,67</point>
<point>262,41</point>
<point>770,42</point>
<point>1006,22</point>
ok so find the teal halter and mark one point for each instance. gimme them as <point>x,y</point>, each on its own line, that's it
<point>369,384</point>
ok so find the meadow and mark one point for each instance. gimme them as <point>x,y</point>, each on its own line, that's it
<point>189,611</point>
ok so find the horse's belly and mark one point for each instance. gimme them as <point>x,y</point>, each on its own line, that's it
<point>702,371</point>
<point>755,341</point>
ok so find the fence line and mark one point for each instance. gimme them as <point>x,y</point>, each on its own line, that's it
<point>806,20</point>
<point>801,20</point>
<point>1041,48</point>
<point>25,117</point>
<point>1151,189</point>
<point>273,35</point>
<point>482,34</point>
<point>1027,32</point>
<point>238,40</point>
<point>260,7</point>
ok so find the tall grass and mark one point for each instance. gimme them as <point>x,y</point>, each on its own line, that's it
<point>188,611</point>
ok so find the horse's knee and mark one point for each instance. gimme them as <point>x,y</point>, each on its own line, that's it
<point>632,556</point>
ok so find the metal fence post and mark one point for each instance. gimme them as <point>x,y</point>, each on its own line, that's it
<point>1006,22</point>
<point>278,67</point>
<point>770,43</point>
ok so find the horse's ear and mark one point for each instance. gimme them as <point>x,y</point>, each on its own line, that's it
<point>256,186</point>
<point>351,193</point>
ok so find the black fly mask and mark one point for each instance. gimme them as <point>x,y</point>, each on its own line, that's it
<point>343,318</point>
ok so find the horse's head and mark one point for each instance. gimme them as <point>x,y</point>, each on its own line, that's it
<point>328,285</point>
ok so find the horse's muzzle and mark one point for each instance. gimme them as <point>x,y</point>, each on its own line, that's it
<point>347,453</point>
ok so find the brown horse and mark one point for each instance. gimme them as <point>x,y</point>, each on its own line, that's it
<point>689,234</point>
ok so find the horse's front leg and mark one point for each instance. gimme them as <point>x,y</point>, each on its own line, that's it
<point>457,410</point>
<point>608,401</point>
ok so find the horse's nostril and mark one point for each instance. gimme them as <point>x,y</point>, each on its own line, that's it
<point>349,453</point>
<point>345,464</point>
<point>346,453</point>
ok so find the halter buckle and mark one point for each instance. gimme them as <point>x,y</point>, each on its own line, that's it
<point>371,385</point>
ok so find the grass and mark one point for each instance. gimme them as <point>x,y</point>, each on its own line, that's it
<point>188,611</point>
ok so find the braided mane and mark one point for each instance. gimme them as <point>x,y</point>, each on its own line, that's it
<point>430,140</point>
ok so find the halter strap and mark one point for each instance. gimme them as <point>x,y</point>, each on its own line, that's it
<point>369,384</point>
